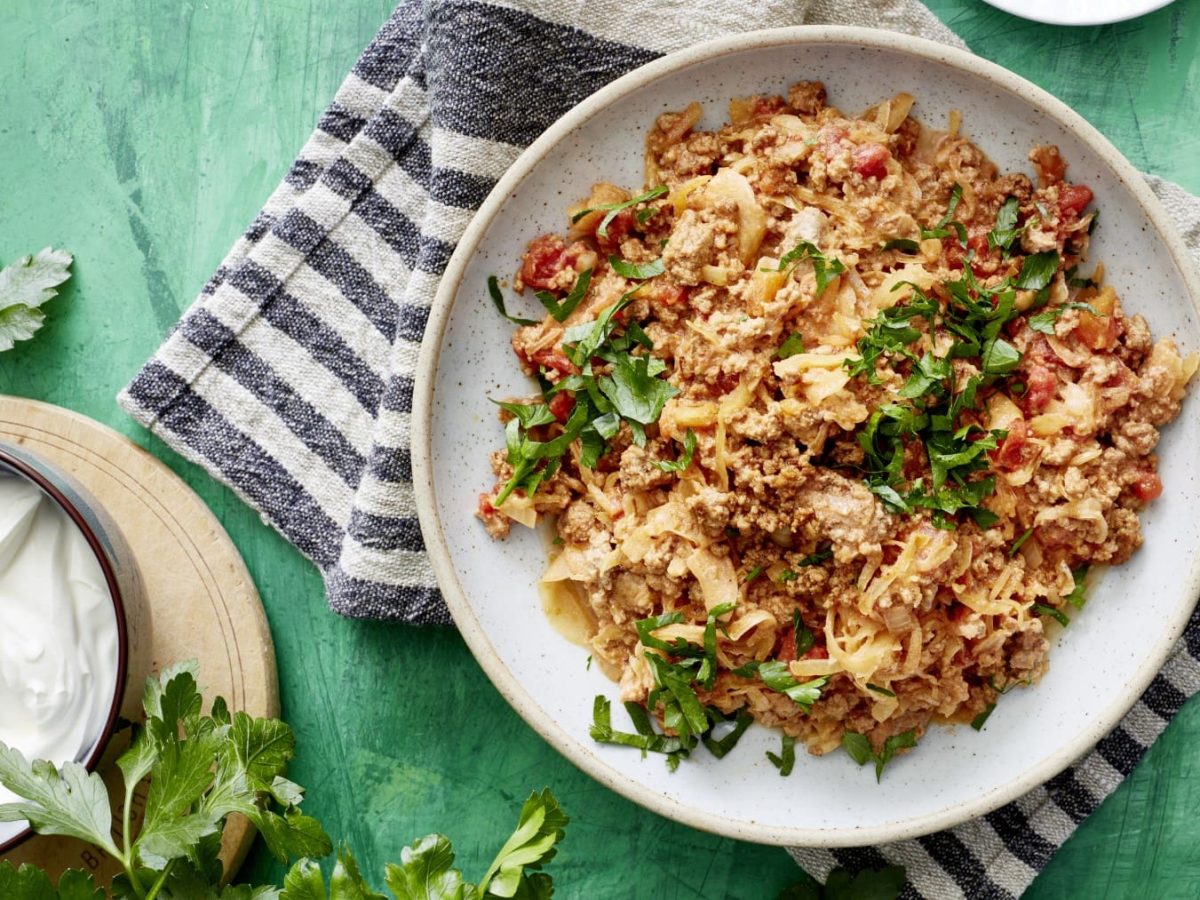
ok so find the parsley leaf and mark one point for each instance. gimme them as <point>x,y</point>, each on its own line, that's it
<point>613,208</point>
<point>539,829</point>
<point>815,559</point>
<point>1076,598</point>
<point>681,464</point>
<point>25,285</point>
<point>776,675</point>
<point>635,392</point>
<point>493,284</point>
<point>721,747</point>
<point>1006,230</point>
<point>881,690</point>
<point>1056,614</point>
<point>786,760</point>
<point>1044,321</point>
<point>1037,270</point>
<point>906,245</point>
<point>790,347</point>
<point>946,225</point>
<point>638,271</point>
<point>861,751</point>
<point>1019,542</point>
<point>824,269</point>
<point>980,720</point>
<point>753,573</point>
<point>558,310</point>
<point>529,415</point>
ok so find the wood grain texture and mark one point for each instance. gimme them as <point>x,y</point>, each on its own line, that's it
<point>144,136</point>
<point>196,598</point>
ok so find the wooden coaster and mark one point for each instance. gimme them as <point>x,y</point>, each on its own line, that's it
<point>202,603</point>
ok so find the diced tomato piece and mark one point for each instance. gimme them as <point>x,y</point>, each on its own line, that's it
<point>561,405</point>
<point>787,645</point>
<point>668,294</point>
<point>553,358</point>
<point>546,258</point>
<point>1041,384</point>
<point>1148,487</point>
<point>618,229</point>
<point>870,160</point>
<point>1072,198</point>
<point>818,651</point>
<point>1011,452</point>
<point>486,510</point>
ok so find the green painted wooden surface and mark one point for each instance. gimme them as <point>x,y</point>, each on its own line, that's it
<point>144,135</point>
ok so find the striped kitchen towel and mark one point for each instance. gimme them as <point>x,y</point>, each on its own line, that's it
<point>291,377</point>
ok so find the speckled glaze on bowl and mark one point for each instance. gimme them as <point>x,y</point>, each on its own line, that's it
<point>120,576</point>
<point>1099,666</point>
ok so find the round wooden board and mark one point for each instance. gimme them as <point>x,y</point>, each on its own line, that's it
<point>202,603</point>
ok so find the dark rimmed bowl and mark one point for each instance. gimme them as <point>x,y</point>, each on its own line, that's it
<point>116,562</point>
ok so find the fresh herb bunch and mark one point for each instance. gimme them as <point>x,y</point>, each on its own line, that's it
<point>202,768</point>
<point>24,286</point>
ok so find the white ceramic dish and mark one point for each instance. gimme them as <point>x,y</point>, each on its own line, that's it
<point>1078,12</point>
<point>1135,613</point>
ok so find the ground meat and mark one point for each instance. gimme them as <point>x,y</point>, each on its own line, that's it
<point>807,97</point>
<point>698,241</point>
<point>638,472</point>
<point>578,522</point>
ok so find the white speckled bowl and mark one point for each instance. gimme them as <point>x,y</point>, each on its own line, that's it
<point>1101,664</point>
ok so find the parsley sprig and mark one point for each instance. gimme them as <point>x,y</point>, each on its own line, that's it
<point>861,751</point>
<point>611,209</point>
<point>824,268</point>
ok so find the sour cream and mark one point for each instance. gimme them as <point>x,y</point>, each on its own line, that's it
<point>58,631</point>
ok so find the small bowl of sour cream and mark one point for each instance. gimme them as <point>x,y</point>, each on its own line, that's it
<point>65,579</point>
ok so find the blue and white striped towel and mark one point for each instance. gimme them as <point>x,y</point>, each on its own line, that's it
<point>291,377</point>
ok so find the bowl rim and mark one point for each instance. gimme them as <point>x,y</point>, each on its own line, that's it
<point>31,473</point>
<point>570,745</point>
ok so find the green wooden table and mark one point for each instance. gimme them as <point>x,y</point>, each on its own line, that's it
<point>144,135</point>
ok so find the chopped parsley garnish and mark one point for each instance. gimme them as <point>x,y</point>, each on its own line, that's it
<point>1044,320</point>
<point>790,347</point>
<point>824,269</point>
<point>637,271</point>
<point>788,575</point>
<point>785,761</point>
<point>804,637</point>
<point>611,209</point>
<point>719,747</point>
<point>861,751</point>
<point>1006,230</point>
<point>681,464</point>
<point>880,690</point>
<point>588,667</point>
<point>908,245</point>
<point>1019,542</point>
<point>753,573</point>
<point>776,675</point>
<point>946,226</point>
<point>632,391</point>
<point>1037,271</point>
<point>815,559</point>
<point>1056,614</point>
<point>493,284</point>
<point>1076,598</point>
<point>558,310</point>
<point>933,402</point>
<point>674,694</point>
<point>980,720</point>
